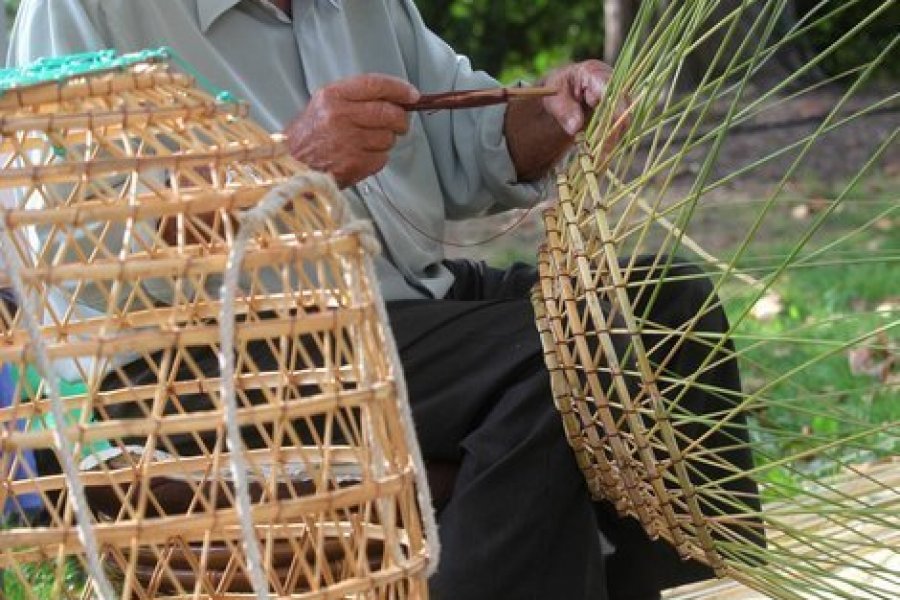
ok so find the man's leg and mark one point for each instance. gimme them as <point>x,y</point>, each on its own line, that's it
<point>640,567</point>
<point>520,523</point>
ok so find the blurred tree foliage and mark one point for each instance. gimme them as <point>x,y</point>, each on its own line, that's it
<point>518,38</point>
<point>876,36</point>
<point>521,38</point>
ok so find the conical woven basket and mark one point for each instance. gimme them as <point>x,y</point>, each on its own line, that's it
<point>789,484</point>
<point>149,219</point>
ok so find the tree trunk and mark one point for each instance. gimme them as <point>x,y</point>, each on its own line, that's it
<point>618,17</point>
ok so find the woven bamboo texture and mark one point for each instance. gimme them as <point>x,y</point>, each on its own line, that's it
<point>643,448</point>
<point>130,186</point>
<point>617,419</point>
<point>740,478</point>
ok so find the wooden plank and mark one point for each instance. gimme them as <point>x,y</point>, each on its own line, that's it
<point>877,485</point>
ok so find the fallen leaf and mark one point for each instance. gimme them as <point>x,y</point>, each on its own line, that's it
<point>859,305</point>
<point>768,307</point>
<point>876,359</point>
<point>814,205</point>
<point>885,224</point>
<point>861,361</point>
<point>874,245</point>
<point>811,107</point>
<point>892,168</point>
<point>753,383</point>
<point>800,212</point>
<point>889,305</point>
<point>818,204</point>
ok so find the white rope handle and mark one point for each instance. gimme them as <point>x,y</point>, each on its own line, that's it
<point>250,222</point>
<point>63,446</point>
<point>423,490</point>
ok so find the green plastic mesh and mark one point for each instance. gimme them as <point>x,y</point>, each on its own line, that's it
<point>64,68</point>
<point>52,69</point>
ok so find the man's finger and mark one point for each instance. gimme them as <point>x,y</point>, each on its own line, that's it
<point>595,91</point>
<point>377,140</point>
<point>364,88</point>
<point>371,163</point>
<point>594,77</point>
<point>566,110</point>
<point>378,115</point>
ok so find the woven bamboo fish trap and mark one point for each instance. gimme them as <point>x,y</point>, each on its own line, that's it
<point>157,231</point>
<point>815,513</point>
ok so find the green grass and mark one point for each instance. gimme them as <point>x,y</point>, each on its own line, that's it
<point>829,310</point>
<point>43,582</point>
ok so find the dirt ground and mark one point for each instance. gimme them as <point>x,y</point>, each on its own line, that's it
<point>831,162</point>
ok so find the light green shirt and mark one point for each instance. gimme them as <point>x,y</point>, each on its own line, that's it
<point>452,164</point>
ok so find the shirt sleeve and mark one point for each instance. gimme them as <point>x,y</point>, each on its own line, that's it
<point>474,167</point>
<point>54,28</point>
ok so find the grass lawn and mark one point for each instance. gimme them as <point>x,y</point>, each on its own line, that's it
<point>43,582</point>
<point>823,374</point>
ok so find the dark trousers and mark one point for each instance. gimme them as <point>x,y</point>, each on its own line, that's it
<point>520,523</point>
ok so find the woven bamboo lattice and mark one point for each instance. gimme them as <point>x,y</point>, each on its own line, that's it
<point>767,484</point>
<point>140,199</point>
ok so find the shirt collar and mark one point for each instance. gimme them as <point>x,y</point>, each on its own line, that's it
<point>210,10</point>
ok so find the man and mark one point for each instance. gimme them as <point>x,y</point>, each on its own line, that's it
<point>333,75</point>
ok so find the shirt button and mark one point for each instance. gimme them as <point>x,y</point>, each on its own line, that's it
<point>365,188</point>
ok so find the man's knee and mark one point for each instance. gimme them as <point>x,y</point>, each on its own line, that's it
<point>673,292</point>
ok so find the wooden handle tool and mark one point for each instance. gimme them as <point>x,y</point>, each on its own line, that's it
<point>476,98</point>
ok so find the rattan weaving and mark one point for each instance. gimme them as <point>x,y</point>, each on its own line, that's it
<point>640,191</point>
<point>131,185</point>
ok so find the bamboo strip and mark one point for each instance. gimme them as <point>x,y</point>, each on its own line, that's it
<point>370,583</point>
<point>198,421</point>
<point>145,207</point>
<point>287,509</point>
<point>309,376</point>
<point>190,261</point>
<point>174,317</point>
<point>196,335</point>
<point>196,468</point>
<point>73,171</point>
<point>92,87</point>
<point>122,119</point>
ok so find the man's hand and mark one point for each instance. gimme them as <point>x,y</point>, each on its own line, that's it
<point>539,132</point>
<point>581,87</point>
<point>349,127</point>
